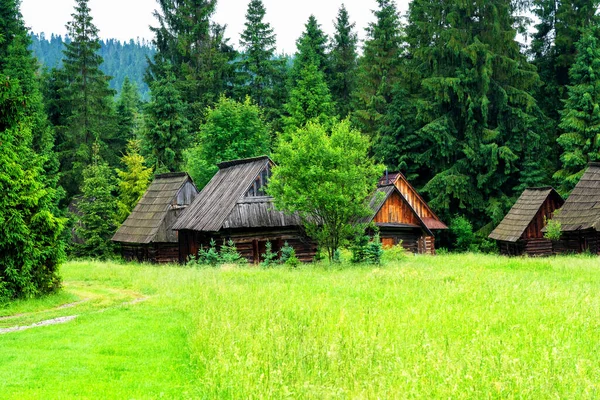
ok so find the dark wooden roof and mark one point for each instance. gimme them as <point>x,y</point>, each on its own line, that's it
<point>142,225</point>
<point>581,210</point>
<point>433,222</point>
<point>521,214</point>
<point>221,204</point>
<point>381,195</point>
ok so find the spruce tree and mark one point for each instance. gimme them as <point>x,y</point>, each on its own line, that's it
<point>128,113</point>
<point>580,117</point>
<point>378,67</point>
<point>311,49</point>
<point>343,62</point>
<point>166,133</point>
<point>475,115</point>
<point>88,100</point>
<point>197,52</point>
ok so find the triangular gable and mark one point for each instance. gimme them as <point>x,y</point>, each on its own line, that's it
<point>145,221</point>
<point>527,214</point>
<point>219,197</point>
<point>414,199</point>
<point>581,210</point>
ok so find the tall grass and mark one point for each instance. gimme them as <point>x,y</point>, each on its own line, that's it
<point>456,326</point>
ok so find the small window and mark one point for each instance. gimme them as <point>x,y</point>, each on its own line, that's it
<point>260,183</point>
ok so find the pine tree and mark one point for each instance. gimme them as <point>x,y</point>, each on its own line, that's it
<point>196,50</point>
<point>166,133</point>
<point>98,210</point>
<point>475,116</point>
<point>311,50</point>
<point>378,68</point>
<point>128,113</point>
<point>133,181</point>
<point>580,117</point>
<point>88,99</point>
<point>343,61</point>
<point>30,245</point>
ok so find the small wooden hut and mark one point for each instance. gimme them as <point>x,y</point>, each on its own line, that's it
<point>521,230</point>
<point>414,199</point>
<point>398,221</point>
<point>580,215</point>
<point>147,234</point>
<point>233,205</point>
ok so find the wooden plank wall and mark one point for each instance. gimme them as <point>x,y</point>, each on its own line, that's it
<point>153,253</point>
<point>577,242</point>
<point>413,198</point>
<point>412,240</point>
<point>534,229</point>
<point>396,210</point>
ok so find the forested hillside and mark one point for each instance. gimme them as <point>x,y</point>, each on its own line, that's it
<point>121,59</point>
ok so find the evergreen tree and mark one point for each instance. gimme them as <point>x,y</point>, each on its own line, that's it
<point>475,116</point>
<point>166,132</point>
<point>580,118</point>
<point>127,112</point>
<point>88,100</point>
<point>311,50</point>
<point>30,244</point>
<point>98,210</point>
<point>343,61</point>
<point>133,181</point>
<point>196,50</point>
<point>378,68</point>
<point>232,130</point>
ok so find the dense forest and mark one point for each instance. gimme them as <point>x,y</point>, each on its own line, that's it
<point>120,60</point>
<point>446,95</point>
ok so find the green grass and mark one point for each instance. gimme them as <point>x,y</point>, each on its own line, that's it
<point>455,326</point>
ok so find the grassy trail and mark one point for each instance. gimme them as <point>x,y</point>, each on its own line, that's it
<point>458,326</point>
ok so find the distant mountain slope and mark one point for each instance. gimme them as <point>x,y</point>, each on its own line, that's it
<point>120,59</point>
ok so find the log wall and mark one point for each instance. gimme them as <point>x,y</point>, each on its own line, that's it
<point>154,252</point>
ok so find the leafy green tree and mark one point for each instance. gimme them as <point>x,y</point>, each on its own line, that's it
<point>196,50</point>
<point>331,194</point>
<point>343,61</point>
<point>133,181</point>
<point>166,135</point>
<point>232,130</point>
<point>475,117</point>
<point>378,67</point>
<point>30,245</point>
<point>98,210</point>
<point>88,100</point>
<point>580,118</point>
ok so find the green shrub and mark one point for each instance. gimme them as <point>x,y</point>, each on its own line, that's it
<point>374,251</point>
<point>553,229</point>
<point>464,238</point>
<point>209,257</point>
<point>359,247</point>
<point>269,258</point>
<point>394,254</point>
<point>229,253</point>
<point>365,250</point>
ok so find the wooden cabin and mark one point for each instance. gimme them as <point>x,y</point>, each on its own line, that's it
<point>580,215</point>
<point>521,230</point>
<point>398,221</point>
<point>147,234</point>
<point>414,199</point>
<point>233,205</point>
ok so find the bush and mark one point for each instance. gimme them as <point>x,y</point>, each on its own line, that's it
<point>374,251</point>
<point>464,238</point>
<point>269,258</point>
<point>394,254</point>
<point>210,256</point>
<point>365,250</point>
<point>288,256</point>
<point>553,228</point>
<point>229,254</point>
<point>359,247</point>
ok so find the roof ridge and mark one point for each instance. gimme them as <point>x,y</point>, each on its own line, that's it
<point>231,163</point>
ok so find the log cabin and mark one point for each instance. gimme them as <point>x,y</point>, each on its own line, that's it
<point>234,206</point>
<point>147,234</point>
<point>414,199</point>
<point>521,230</point>
<point>579,217</point>
<point>398,222</point>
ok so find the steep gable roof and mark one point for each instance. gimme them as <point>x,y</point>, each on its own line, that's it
<point>217,200</point>
<point>143,224</point>
<point>431,220</point>
<point>582,208</point>
<point>380,197</point>
<point>521,214</point>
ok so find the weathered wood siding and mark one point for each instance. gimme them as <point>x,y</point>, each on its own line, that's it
<point>396,210</point>
<point>413,198</point>
<point>574,242</point>
<point>154,252</point>
<point>534,229</point>
<point>412,239</point>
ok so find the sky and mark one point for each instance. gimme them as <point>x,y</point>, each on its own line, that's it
<point>129,19</point>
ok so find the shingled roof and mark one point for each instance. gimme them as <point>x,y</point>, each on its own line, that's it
<point>378,200</point>
<point>581,211</point>
<point>222,204</point>
<point>521,214</point>
<point>143,224</point>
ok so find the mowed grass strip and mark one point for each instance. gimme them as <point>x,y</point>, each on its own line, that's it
<point>457,326</point>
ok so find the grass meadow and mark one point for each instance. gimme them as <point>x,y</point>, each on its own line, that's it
<point>451,326</point>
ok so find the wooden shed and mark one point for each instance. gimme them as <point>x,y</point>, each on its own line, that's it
<point>398,221</point>
<point>521,230</point>
<point>233,205</point>
<point>147,234</point>
<point>414,199</point>
<point>580,215</point>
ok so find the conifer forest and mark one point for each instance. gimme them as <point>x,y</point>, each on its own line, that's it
<point>472,101</point>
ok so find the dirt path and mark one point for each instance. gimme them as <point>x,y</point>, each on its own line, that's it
<point>54,321</point>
